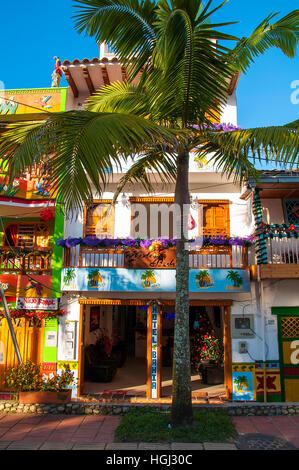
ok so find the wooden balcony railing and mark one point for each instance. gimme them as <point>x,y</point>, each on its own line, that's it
<point>207,257</point>
<point>18,261</point>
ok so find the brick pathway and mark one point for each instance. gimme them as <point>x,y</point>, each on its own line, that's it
<point>285,427</point>
<point>65,429</point>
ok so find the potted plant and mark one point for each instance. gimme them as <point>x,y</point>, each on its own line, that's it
<point>211,351</point>
<point>34,387</point>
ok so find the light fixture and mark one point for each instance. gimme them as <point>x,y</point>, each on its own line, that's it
<point>194,202</point>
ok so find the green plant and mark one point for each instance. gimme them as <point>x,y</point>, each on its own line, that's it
<point>27,377</point>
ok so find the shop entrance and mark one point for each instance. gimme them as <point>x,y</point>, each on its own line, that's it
<point>115,349</point>
<point>128,370</point>
<point>206,329</point>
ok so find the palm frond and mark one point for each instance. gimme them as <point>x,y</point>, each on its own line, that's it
<point>284,35</point>
<point>85,148</point>
<point>153,166</point>
<point>237,152</point>
<point>127,25</point>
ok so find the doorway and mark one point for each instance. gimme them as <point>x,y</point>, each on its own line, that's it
<point>126,326</point>
<point>206,329</point>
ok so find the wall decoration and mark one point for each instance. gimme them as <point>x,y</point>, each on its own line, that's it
<point>204,279</point>
<point>243,386</point>
<point>149,280</point>
<point>236,280</point>
<point>32,101</point>
<point>268,374</point>
<point>94,321</point>
<point>137,280</point>
<point>23,286</point>
<point>48,369</point>
<point>153,257</point>
<point>154,352</point>
<point>95,279</point>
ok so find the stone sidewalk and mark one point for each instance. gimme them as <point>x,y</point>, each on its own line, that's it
<point>90,432</point>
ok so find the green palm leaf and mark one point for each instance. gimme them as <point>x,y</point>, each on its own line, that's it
<point>84,147</point>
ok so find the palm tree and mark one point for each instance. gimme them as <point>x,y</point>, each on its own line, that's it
<point>185,65</point>
<point>235,278</point>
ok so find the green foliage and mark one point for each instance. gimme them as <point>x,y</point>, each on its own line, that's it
<point>28,377</point>
<point>151,425</point>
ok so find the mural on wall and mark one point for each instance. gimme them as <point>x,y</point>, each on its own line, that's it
<point>235,279</point>
<point>243,381</point>
<point>204,279</point>
<point>137,280</point>
<point>22,286</point>
<point>149,280</point>
<point>30,101</point>
<point>269,376</point>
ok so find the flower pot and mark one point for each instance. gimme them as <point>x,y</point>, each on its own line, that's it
<point>212,375</point>
<point>46,397</point>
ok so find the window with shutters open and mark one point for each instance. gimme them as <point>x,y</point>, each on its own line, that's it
<point>214,218</point>
<point>99,220</point>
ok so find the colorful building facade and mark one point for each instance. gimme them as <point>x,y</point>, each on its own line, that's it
<point>30,261</point>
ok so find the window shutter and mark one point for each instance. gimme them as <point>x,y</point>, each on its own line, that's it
<point>215,219</point>
<point>100,221</point>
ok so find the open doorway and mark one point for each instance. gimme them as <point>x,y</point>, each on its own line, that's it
<point>206,331</point>
<point>125,367</point>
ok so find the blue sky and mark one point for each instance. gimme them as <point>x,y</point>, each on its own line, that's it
<point>33,32</point>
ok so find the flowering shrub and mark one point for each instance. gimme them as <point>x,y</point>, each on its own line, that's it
<point>27,377</point>
<point>34,314</point>
<point>105,343</point>
<point>92,241</point>
<point>205,348</point>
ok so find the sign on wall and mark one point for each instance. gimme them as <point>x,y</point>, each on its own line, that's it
<point>32,101</point>
<point>34,303</point>
<point>154,352</point>
<point>142,258</point>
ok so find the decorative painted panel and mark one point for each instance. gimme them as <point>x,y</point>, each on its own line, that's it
<point>163,280</point>
<point>243,382</point>
<point>268,374</point>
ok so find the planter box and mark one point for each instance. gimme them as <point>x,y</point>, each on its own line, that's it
<point>212,375</point>
<point>45,397</point>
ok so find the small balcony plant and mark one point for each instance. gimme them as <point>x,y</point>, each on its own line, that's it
<point>34,387</point>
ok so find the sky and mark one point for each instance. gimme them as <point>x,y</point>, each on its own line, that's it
<point>33,32</point>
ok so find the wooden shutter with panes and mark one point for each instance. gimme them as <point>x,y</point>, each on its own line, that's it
<point>214,218</point>
<point>29,235</point>
<point>99,220</point>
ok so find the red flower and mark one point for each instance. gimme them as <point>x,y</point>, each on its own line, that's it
<point>292,227</point>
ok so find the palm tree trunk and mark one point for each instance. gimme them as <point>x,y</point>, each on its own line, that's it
<point>181,411</point>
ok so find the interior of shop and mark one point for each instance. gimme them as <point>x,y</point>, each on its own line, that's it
<point>115,339</point>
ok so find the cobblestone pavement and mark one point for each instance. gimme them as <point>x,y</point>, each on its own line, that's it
<point>284,427</point>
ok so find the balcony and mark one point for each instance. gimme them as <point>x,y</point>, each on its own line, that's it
<point>283,259</point>
<point>206,257</point>
<point>20,261</point>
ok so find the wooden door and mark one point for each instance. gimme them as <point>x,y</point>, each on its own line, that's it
<point>30,341</point>
<point>288,330</point>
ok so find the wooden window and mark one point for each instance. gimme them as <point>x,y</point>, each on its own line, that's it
<point>27,235</point>
<point>214,218</point>
<point>99,219</point>
<point>157,224</point>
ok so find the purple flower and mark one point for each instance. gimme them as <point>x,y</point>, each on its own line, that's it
<point>70,242</point>
<point>146,243</point>
<point>91,241</point>
<point>60,242</point>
